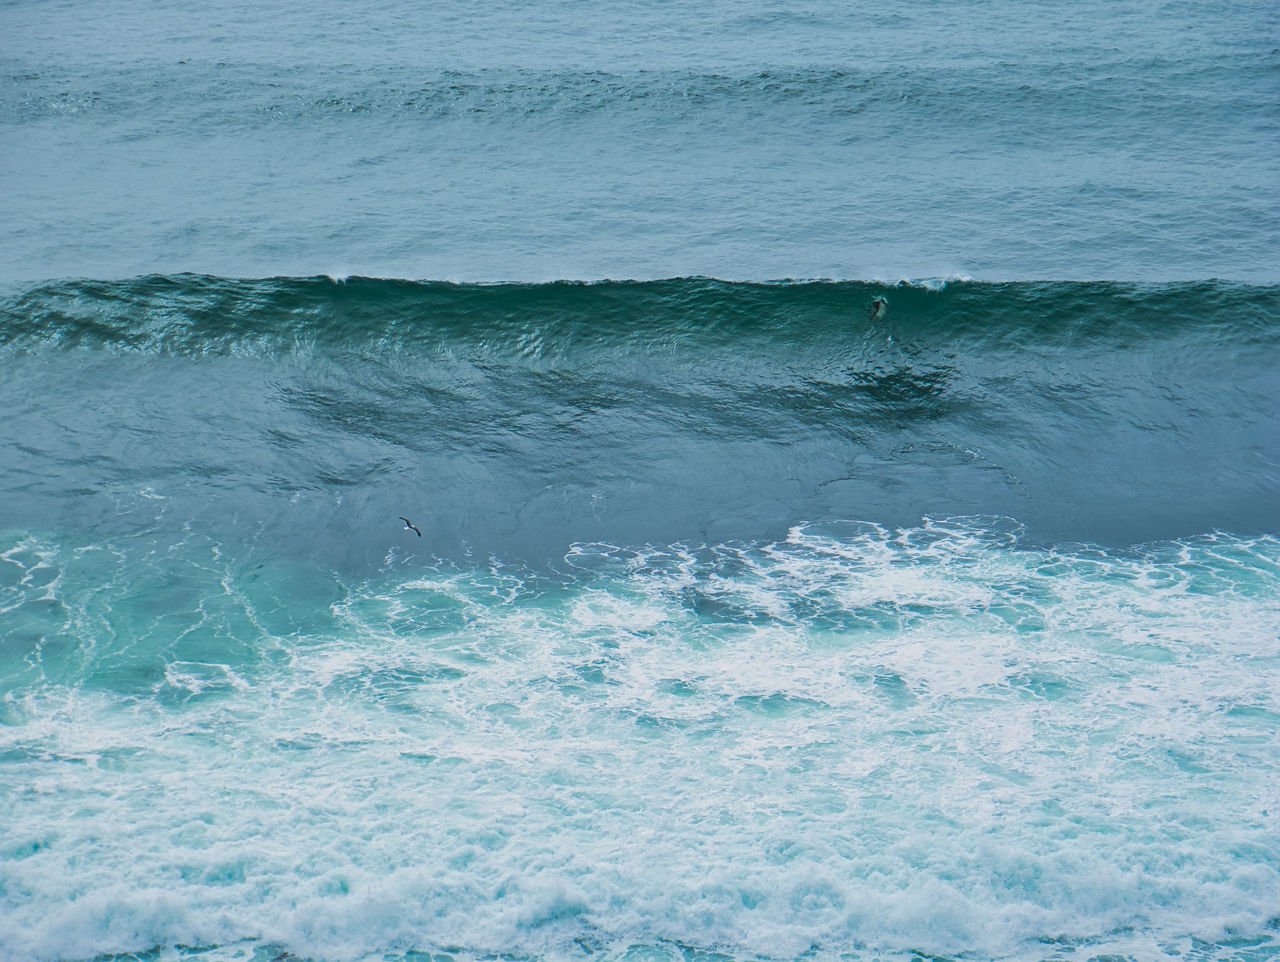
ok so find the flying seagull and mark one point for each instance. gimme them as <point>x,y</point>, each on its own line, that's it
<point>410,525</point>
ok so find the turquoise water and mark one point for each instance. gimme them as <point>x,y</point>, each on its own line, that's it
<point>854,742</point>
<point>615,701</point>
<point>747,621</point>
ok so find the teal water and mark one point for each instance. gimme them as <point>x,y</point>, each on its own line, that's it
<point>304,415</point>
<point>856,743</point>
<point>746,622</point>
<point>616,700</point>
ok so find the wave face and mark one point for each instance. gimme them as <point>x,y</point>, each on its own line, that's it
<point>740,623</point>
<point>514,420</point>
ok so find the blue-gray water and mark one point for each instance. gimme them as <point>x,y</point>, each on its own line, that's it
<point>743,624</point>
<point>742,140</point>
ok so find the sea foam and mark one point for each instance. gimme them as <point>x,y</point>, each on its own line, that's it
<point>857,740</point>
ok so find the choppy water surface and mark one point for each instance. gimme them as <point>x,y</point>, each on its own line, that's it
<point>739,140</point>
<point>746,622</point>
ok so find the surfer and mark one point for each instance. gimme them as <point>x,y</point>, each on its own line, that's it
<point>410,525</point>
<point>879,308</point>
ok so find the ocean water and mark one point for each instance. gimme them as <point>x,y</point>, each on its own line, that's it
<point>745,140</point>
<point>746,622</point>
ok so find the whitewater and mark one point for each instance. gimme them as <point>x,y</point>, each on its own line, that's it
<point>850,744</point>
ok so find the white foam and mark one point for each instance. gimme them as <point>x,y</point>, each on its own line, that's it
<point>860,739</point>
